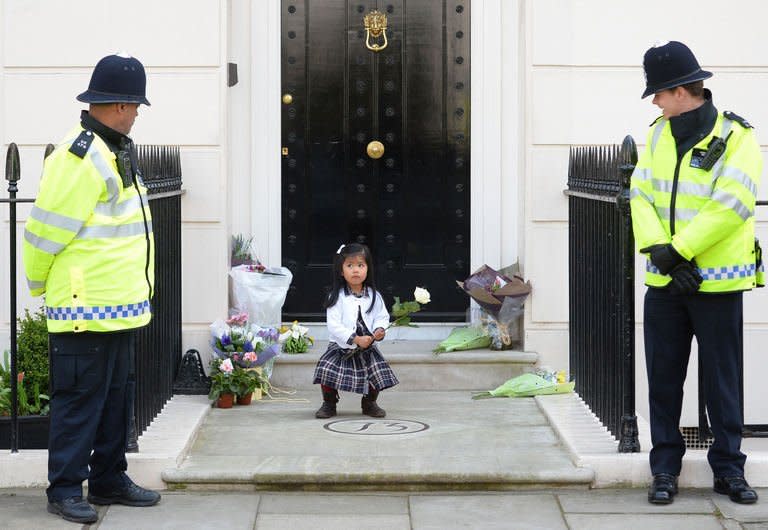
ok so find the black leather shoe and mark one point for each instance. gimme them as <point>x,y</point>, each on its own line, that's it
<point>663,489</point>
<point>129,495</point>
<point>73,509</point>
<point>736,488</point>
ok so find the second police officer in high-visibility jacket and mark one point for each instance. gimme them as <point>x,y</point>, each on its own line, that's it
<point>693,198</point>
<point>88,248</point>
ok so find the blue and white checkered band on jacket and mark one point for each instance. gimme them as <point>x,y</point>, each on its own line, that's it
<point>98,312</point>
<point>716,273</point>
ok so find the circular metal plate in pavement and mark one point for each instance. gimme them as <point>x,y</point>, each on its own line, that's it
<point>376,427</point>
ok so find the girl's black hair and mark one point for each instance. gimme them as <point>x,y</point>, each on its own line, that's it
<point>338,281</point>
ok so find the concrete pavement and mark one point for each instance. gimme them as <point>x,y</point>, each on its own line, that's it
<point>596,509</point>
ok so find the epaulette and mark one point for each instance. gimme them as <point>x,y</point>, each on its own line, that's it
<point>81,144</point>
<point>738,119</point>
<point>654,122</point>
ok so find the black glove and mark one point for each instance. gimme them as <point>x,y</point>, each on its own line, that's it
<point>685,279</point>
<point>664,257</point>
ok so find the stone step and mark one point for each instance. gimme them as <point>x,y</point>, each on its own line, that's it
<point>417,367</point>
<point>428,441</point>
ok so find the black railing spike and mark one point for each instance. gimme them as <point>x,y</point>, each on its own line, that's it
<point>12,164</point>
<point>50,148</point>
<point>629,150</point>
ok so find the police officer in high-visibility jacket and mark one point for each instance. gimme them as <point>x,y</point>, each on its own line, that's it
<point>693,213</point>
<point>88,249</point>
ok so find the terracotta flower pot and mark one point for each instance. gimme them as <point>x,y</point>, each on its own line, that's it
<point>244,400</point>
<point>225,401</point>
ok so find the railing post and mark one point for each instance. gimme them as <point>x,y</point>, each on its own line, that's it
<point>12,175</point>
<point>628,442</point>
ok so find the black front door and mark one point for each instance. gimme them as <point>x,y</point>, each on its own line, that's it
<point>411,205</point>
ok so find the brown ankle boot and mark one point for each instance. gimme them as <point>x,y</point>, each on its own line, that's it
<point>369,406</point>
<point>328,408</point>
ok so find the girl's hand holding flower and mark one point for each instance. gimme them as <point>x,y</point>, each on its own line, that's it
<point>364,341</point>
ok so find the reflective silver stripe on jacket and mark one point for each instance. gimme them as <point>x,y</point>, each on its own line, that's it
<point>106,231</point>
<point>642,174</point>
<point>687,188</point>
<point>55,219</point>
<point>718,167</point>
<point>732,202</point>
<point>657,133</point>
<point>737,175</point>
<point>116,209</point>
<point>681,214</point>
<point>106,172</point>
<point>34,284</point>
<point>40,243</point>
<point>637,192</point>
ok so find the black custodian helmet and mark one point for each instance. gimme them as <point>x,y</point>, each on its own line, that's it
<point>117,78</point>
<point>669,65</point>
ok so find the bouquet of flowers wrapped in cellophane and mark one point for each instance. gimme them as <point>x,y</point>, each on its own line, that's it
<point>502,298</point>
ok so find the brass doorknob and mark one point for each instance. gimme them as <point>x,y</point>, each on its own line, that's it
<point>375,149</point>
<point>287,99</point>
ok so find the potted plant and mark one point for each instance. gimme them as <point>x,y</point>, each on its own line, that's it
<point>223,383</point>
<point>249,382</point>
<point>32,385</point>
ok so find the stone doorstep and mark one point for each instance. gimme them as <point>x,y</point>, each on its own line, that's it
<point>163,445</point>
<point>417,367</point>
<point>591,446</point>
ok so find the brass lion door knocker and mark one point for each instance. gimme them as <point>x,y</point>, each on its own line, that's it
<point>375,25</point>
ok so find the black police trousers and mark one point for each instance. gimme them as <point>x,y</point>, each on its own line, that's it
<point>90,403</point>
<point>671,322</point>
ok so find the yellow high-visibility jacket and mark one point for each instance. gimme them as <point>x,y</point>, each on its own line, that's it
<point>714,210</point>
<point>88,242</point>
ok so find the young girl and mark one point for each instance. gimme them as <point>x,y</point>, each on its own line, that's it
<point>352,361</point>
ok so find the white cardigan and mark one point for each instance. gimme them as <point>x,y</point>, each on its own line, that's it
<point>342,316</point>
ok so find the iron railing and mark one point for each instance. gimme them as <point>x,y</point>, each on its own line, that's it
<point>601,285</point>
<point>158,349</point>
<point>158,346</point>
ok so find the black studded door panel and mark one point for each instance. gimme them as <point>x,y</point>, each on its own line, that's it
<point>411,205</point>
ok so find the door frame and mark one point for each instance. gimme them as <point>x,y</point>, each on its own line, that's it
<point>497,129</point>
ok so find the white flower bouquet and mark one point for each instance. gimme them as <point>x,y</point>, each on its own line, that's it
<point>295,339</point>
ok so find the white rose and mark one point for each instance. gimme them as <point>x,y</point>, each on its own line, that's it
<point>421,295</point>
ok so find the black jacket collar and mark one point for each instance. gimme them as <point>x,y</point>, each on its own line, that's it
<point>689,128</point>
<point>114,139</point>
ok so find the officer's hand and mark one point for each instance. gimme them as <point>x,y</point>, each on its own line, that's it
<point>664,257</point>
<point>685,279</point>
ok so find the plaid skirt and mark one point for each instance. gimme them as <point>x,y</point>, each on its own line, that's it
<point>354,373</point>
